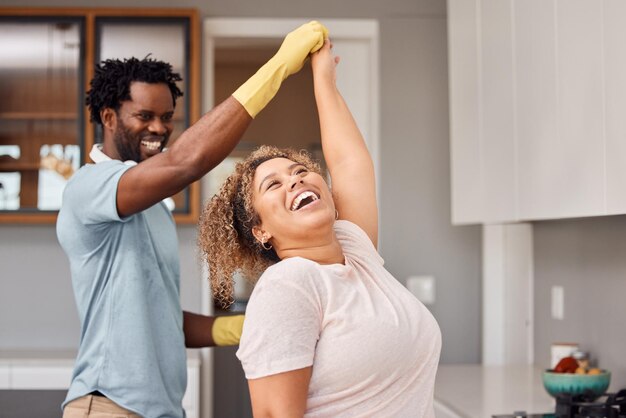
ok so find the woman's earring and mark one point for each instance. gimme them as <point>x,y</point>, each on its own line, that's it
<point>263,245</point>
<point>336,214</point>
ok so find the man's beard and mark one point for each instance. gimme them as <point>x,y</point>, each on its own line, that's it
<point>128,144</point>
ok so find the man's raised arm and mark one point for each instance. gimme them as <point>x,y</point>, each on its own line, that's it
<point>206,143</point>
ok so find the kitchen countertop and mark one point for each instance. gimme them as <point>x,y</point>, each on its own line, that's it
<point>61,358</point>
<point>477,391</point>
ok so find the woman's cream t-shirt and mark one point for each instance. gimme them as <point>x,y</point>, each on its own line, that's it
<point>373,346</point>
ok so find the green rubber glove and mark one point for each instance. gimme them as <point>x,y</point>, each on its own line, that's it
<point>227,330</point>
<point>257,92</point>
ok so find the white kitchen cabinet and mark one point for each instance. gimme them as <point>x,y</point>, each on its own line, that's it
<point>41,377</point>
<point>537,95</point>
<point>498,124</point>
<point>577,179</point>
<point>5,380</point>
<point>536,104</point>
<point>559,107</point>
<point>467,203</point>
<point>615,82</point>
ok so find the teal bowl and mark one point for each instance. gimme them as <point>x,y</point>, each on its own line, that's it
<point>576,384</point>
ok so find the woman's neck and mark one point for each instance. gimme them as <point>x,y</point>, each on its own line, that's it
<point>327,251</point>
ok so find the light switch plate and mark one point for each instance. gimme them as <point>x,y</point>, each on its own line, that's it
<point>423,287</point>
<point>558,302</point>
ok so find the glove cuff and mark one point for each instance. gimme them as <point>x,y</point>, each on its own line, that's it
<point>257,92</point>
<point>227,330</point>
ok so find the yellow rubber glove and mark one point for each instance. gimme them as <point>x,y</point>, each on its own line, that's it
<point>227,330</point>
<point>256,93</point>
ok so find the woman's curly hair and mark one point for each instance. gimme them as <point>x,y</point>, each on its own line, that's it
<point>110,85</point>
<point>225,230</point>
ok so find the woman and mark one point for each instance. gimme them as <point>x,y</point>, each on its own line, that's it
<point>328,331</point>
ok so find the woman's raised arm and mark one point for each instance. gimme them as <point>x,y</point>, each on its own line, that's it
<point>348,160</point>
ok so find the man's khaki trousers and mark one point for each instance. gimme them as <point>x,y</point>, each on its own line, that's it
<point>91,406</point>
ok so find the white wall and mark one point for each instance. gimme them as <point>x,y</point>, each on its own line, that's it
<point>417,237</point>
<point>587,257</point>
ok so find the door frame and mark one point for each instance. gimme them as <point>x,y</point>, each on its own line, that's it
<point>357,42</point>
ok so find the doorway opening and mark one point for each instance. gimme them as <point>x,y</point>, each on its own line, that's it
<point>233,50</point>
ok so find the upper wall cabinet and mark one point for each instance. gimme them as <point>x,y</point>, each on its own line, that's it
<point>537,95</point>
<point>47,58</point>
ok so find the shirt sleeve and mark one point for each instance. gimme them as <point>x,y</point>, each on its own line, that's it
<point>92,194</point>
<point>283,320</point>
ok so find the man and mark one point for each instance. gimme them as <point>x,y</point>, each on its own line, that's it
<point>121,239</point>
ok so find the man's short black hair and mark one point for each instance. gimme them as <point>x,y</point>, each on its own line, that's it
<point>111,84</point>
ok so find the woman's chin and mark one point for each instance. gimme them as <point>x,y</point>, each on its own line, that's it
<point>319,220</point>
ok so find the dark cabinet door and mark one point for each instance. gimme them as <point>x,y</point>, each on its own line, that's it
<point>41,118</point>
<point>47,58</point>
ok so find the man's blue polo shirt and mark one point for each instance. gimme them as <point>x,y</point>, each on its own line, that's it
<point>125,274</point>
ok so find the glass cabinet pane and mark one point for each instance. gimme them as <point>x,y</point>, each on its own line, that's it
<point>165,39</point>
<point>41,116</point>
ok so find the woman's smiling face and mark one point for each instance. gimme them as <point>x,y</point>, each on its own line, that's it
<point>291,202</point>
